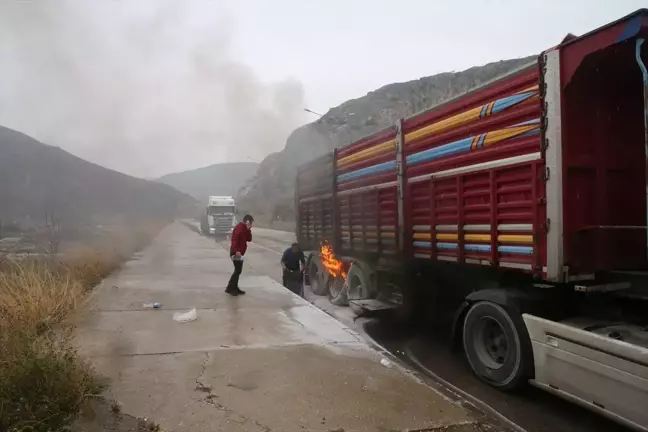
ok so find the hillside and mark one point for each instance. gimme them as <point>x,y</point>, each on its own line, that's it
<point>219,179</point>
<point>38,180</point>
<point>270,193</point>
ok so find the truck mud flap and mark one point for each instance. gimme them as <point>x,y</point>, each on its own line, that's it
<point>598,372</point>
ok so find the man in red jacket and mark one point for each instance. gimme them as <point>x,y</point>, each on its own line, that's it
<point>241,235</point>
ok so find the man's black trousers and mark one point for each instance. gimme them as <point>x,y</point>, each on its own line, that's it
<point>234,279</point>
<point>293,281</point>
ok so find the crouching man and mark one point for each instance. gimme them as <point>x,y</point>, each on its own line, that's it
<point>292,264</point>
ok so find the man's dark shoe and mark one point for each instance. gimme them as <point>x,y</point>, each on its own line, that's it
<point>232,292</point>
<point>240,291</point>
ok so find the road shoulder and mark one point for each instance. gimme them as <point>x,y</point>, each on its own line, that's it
<point>267,361</point>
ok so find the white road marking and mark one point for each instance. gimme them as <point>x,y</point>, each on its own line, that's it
<point>268,249</point>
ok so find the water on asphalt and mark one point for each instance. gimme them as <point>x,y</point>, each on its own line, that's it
<point>531,408</point>
<point>266,361</point>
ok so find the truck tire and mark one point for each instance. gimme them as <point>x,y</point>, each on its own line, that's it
<point>338,291</point>
<point>358,286</point>
<point>318,276</point>
<point>497,345</point>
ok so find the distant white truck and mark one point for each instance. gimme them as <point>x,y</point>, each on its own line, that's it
<point>219,218</point>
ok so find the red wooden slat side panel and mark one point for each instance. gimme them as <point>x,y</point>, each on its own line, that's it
<point>368,221</point>
<point>366,142</point>
<point>364,163</point>
<point>476,187</point>
<point>494,91</point>
<point>315,224</point>
<point>451,215</point>
<point>518,147</point>
<point>373,180</point>
<point>314,201</point>
<point>525,111</point>
<point>505,196</point>
<point>474,171</point>
<point>376,156</point>
<point>315,178</point>
<point>471,126</point>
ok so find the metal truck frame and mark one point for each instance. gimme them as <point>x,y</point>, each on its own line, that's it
<point>515,214</point>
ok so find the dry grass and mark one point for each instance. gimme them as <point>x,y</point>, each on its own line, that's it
<point>34,296</point>
<point>43,381</point>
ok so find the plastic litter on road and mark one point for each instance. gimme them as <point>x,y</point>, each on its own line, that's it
<point>386,363</point>
<point>183,317</point>
<point>154,305</point>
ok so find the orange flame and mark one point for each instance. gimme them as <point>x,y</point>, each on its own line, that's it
<point>334,266</point>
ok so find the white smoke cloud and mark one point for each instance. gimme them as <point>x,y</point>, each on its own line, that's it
<point>146,87</point>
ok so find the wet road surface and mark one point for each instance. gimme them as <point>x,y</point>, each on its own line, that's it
<point>267,361</point>
<point>531,409</point>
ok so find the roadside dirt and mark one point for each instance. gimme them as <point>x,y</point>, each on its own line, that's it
<point>104,416</point>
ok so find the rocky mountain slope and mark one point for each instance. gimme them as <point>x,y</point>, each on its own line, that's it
<point>269,194</point>
<point>37,180</point>
<point>219,179</point>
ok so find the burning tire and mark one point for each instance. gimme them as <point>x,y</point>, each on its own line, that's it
<point>318,275</point>
<point>336,275</point>
<point>338,291</point>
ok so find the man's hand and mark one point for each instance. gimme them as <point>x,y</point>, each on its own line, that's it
<point>238,254</point>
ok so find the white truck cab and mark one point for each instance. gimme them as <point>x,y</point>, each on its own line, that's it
<point>220,216</point>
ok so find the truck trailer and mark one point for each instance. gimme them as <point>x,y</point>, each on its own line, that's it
<point>516,214</point>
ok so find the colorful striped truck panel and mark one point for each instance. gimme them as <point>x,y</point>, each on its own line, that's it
<point>471,183</point>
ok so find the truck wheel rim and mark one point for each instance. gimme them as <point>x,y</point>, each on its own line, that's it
<point>490,342</point>
<point>337,286</point>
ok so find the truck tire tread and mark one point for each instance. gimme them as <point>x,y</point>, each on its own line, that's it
<point>318,277</point>
<point>517,366</point>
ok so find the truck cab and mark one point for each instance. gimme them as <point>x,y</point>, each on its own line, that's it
<point>220,216</point>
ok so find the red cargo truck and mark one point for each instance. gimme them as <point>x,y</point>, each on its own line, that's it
<point>517,213</point>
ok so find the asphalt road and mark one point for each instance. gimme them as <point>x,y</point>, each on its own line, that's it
<point>531,409</point>
<point>267,361</point>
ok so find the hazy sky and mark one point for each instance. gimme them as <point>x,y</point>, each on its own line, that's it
<point>149,87</point>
